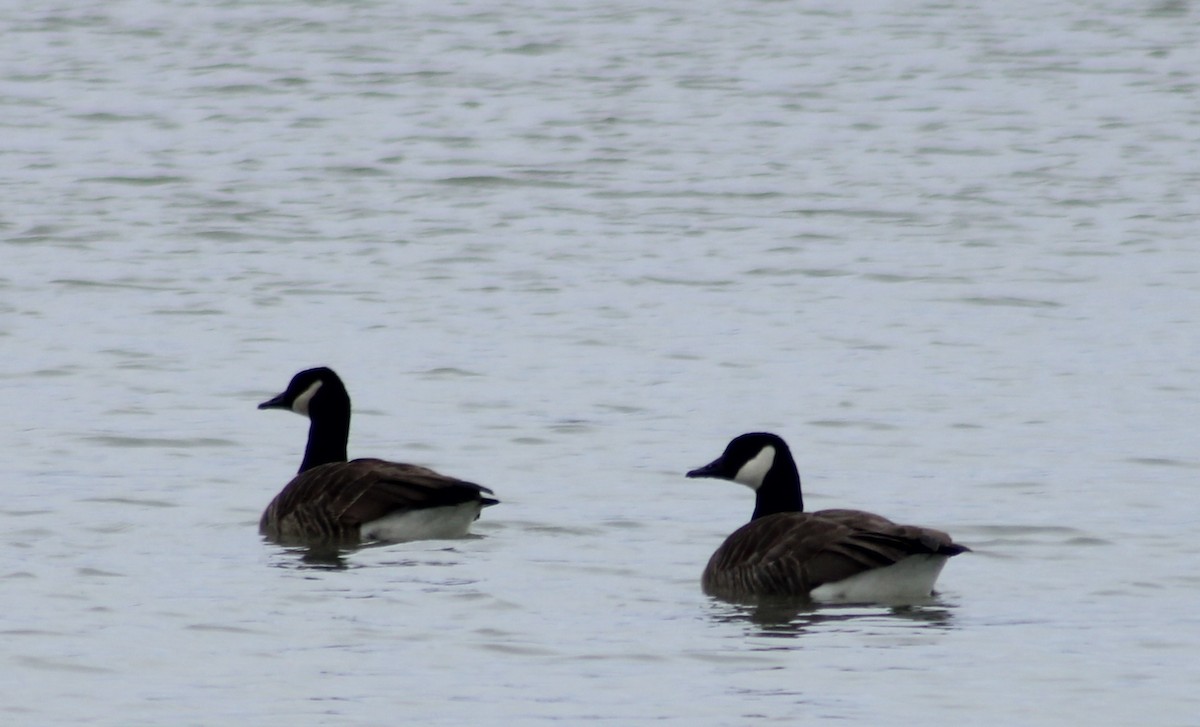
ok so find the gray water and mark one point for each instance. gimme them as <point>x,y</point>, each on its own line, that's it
<point>567,251</point>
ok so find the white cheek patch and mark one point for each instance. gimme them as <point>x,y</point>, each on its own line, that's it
<point>300,405</point>
<point>752,473</point>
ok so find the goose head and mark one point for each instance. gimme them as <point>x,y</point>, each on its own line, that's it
<point>762,462</point>
<point>313,393</point>
<point>319,395</point>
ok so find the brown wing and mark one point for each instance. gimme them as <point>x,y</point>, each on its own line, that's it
<point>330,502</point>
<point>934,541</point>
<point>792,553</point>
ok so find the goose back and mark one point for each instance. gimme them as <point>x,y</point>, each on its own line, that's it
<point>796,553</point>
<point>332,502</point>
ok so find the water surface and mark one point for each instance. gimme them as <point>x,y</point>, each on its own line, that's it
<point>568,252</point>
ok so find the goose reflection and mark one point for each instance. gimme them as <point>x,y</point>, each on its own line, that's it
<point>339,557</point>
<point>794,617</point>
<point>325,557</point>
<point>319,556</point>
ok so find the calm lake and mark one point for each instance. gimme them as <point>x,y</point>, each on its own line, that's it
<point>951,252</point>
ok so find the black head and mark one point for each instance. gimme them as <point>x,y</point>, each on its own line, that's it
<point>747,459</point>
<point>312,391</point>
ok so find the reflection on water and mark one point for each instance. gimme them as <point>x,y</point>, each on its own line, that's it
<point>792,617</point>
<point>334,556</point>
<point>318,557</point>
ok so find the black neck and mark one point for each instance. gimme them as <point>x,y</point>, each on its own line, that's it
<point>327,437</point>
<point>780,490</point>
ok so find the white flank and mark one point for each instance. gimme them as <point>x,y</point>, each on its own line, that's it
<point>300,405</point>
<point>909,581</point>
<point>431,523</point>
<point>752,473</point>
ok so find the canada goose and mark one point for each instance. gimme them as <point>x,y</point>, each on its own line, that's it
<point>332,500</point>
<point>828,555</point>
